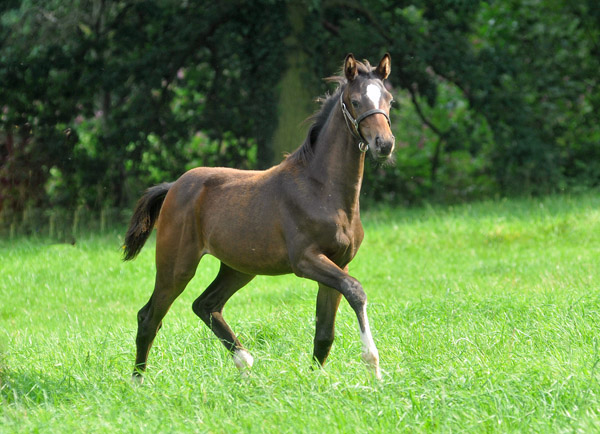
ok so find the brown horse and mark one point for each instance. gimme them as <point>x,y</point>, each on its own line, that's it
<point>301,217</point>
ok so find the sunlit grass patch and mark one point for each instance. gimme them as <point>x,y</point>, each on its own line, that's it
<point>486,317</point>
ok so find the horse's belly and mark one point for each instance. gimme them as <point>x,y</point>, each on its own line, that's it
<point>253,261</point>
<point>251,252</point>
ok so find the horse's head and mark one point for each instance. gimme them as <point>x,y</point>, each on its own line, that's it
<point>366,106</point>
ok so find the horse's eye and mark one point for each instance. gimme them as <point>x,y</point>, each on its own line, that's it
<point>355,104</point>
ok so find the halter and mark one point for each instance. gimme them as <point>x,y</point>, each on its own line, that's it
<point>363,146</point>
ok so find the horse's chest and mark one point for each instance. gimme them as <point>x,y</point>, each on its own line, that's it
<point>341,237</point>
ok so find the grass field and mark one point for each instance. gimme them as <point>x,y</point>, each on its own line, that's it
<point>486,316</point>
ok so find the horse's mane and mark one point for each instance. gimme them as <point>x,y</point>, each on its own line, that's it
<point>328,102</point>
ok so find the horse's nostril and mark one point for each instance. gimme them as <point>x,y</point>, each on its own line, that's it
<point>386,148</point>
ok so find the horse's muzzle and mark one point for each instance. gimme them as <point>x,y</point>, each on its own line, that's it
<point>383,147</point>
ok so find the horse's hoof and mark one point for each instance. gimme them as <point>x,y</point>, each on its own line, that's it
<point>377,373</point>
<point>372,361</point>
<point>137,378</point>
<point>243,359</point>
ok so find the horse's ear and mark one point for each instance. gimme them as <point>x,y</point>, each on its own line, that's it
<point>384,67</point>
<point>350,67</point>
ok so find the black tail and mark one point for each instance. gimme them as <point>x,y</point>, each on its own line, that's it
<point>143,219</point>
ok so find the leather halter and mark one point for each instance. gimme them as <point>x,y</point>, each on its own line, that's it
<point>363,146</point>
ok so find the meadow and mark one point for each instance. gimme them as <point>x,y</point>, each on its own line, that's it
<point>486,316</point>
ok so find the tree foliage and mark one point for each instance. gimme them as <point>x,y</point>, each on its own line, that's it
<point>101,98</point>
<point>506,92</point>
<point>105,97</point>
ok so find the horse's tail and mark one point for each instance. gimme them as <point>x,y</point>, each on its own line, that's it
<point>143,219</point>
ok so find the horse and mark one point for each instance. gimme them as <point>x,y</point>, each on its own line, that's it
<point>301,216</point>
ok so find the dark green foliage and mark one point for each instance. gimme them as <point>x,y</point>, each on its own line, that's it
<point>506,92</point>
<point>100,99</point>
<point>103,98</point>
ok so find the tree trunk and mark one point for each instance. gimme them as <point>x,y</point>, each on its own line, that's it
<point>295,96</point>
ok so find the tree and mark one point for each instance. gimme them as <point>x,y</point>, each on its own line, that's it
<point>106,96</point>
<point>103,98</point>
<point>522,76</point>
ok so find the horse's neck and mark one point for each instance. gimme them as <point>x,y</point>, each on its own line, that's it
<point>338,164</point>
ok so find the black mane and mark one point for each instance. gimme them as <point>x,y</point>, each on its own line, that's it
<point>305,152</point>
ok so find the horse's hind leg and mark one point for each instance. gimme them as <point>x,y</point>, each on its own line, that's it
<point>176,264</point>
<point>328,300</point>
<point>209,307</point>
<point>151,315</point>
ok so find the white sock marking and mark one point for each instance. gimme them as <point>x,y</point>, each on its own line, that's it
<point>370,354</point>
<point>374,94</point>
<point>242,359</point>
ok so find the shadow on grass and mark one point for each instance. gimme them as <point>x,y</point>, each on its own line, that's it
<point>26,387</point>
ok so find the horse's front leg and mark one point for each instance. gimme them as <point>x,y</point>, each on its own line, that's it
<point>316,266</point>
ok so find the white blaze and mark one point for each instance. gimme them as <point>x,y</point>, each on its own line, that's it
<point>374,94</point>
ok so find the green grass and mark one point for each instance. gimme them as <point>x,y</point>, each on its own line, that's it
<point>486,316</point>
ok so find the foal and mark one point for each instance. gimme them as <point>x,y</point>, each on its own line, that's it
<point>301,217</point>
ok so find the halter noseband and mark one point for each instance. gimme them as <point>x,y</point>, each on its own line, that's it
<point>363,146</point>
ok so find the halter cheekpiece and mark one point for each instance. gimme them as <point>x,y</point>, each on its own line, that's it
<point>363,146</point>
